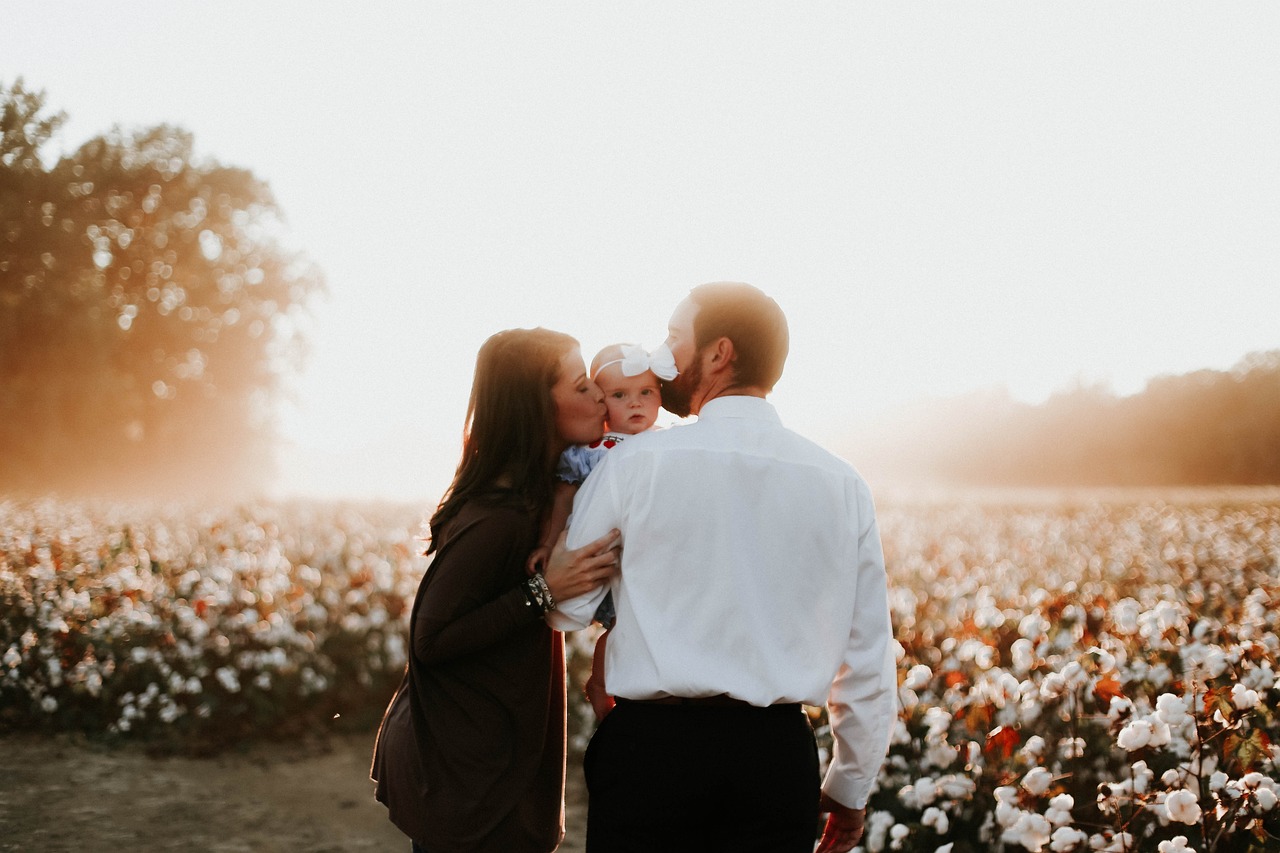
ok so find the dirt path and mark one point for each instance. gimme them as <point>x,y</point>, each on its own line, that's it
<point>61,794</point>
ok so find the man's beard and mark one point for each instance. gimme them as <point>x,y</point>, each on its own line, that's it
<point>677,394</point>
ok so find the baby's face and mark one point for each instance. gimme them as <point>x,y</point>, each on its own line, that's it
<point>631,401</point>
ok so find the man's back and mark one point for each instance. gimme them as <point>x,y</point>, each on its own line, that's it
<point>742,548</point>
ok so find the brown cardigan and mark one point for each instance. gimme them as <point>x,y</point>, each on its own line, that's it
<point>470,754</point>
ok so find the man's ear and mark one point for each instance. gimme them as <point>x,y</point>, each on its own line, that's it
<point>720,356</point>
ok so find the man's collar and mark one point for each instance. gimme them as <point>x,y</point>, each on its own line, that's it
<point>738,406</point>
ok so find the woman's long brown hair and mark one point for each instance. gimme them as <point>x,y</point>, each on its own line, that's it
<point>511,421</point>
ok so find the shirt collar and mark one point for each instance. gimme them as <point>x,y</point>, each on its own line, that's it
<point>736,406</point>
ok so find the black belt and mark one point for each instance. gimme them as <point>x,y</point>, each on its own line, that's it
<point>721,700</point>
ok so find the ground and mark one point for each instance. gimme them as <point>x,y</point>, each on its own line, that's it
<point>63,794</point>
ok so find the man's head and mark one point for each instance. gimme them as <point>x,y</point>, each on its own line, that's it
<point>727,338</point>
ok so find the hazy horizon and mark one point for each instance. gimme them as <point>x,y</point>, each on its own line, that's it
<point>942,199</point>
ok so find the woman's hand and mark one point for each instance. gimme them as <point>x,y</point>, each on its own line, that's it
<point>572,573</point>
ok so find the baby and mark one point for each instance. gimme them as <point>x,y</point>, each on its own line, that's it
<point>626,375</point>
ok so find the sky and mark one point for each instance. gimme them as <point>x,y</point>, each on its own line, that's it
<point>942,197</point>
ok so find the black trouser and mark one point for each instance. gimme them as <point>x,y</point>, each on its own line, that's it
<point>667,778</point>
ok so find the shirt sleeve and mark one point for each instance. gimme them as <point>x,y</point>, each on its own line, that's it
<point>862,702</point>
<point>596,511</point>
<point>475,599</point>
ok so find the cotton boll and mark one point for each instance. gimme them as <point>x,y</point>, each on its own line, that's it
<point>1032,831</point>
<point>1066,839</point>
<point>1037,780</point>
<point>1023,655</point>
<point>1183,807</point>
<point>1243,698</point>
<point>1059,811</point>
<point>917,677</point>
<point>1142,777</point>
<point>1135,735</point>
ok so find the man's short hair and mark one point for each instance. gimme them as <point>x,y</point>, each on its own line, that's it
<point>752,320</point>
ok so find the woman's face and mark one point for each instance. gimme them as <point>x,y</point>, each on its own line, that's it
<point>579,403</point>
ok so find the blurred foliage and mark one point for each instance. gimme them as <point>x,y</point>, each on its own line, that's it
<point>148,311</point>
<point>1203,428</point>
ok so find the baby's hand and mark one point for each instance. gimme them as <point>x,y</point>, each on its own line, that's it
<point>538,560</point>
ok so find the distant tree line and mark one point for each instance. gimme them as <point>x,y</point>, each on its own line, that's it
<point>1203,428</point>
<point>147,312</point>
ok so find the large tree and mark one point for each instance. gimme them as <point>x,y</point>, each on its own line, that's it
<point>148,312</point>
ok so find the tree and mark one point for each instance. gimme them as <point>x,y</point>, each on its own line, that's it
<point>148,313</point>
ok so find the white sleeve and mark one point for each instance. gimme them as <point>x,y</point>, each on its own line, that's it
<point>595,512</point>
<point>862,702</point>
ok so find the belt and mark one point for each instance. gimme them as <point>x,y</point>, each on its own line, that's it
<point>721,700</point>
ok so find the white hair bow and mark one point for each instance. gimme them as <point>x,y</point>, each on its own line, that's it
<point>635,361</point>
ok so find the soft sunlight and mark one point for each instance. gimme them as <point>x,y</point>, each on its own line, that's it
<point>978,196</point>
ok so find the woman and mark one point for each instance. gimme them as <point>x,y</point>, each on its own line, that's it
<point>470,754</point>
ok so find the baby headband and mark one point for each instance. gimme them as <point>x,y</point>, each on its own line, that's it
<point>635,361</point>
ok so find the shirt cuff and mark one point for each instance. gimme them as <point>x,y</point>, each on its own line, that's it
<point>851,793</point>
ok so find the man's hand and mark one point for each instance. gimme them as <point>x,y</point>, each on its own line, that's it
<point>844,827</point>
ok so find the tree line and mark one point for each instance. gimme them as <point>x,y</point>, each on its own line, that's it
<point>1208,427</point>
<point>148,312</point>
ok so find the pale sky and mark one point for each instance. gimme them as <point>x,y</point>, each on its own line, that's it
<point>942,197</point>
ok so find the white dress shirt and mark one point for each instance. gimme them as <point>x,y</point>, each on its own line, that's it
<point>751,566</point>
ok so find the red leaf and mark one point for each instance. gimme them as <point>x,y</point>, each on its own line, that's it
<point>1001,741</point>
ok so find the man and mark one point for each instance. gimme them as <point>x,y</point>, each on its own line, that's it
<point>752,581</point>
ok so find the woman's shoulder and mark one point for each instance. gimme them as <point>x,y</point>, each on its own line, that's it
<point>499,505</point>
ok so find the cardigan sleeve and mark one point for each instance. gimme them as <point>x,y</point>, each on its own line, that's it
<point>475,597</point>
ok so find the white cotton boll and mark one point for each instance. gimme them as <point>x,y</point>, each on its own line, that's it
<point>1135,735</point>
<point>877,830</point>
<point>1065,839</point>
<point>1032,831</point>
<point>1171,709</point>
<point>48,704</point>
<point>1034,747</point>
<point>1074,673</point>
<point>1124,616</point>
<point>1215,662</point>
<point>917,677</point>
<point>936,818</point>
<point>1023,655</point>
<point>1105,660</point>
<point>1170,778</point>
<point>898,835</point>
<point>1178,844</point>
<point>1071,748</point>
<point>1142,777</point>
<point>1243,698</point>
<point>1266,799</point>
<point>1217,781</point>
<point>1183,807</point>
<point>1160,734</point>
<point>1059,811</point>
<point>953,787</point>
<point>1053,686</point>
<point>1259,677</point>
<point>946,848</point>
<point>1037,780</point>
<point>1033,625</point>
<point>1119,707</point>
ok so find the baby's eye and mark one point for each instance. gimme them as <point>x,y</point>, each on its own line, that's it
<point>618,395</point>
<point>647,392</point>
